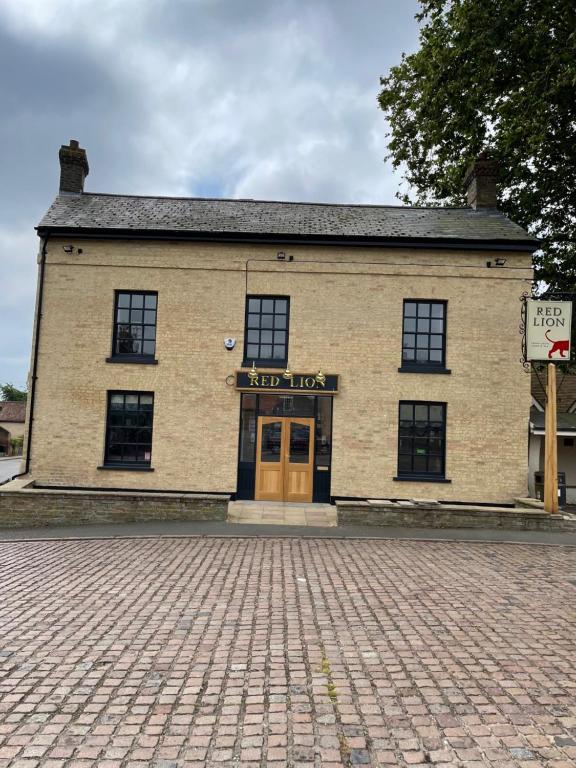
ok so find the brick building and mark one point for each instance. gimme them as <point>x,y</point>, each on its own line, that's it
<point>12,418</point>
<point>276,350</point>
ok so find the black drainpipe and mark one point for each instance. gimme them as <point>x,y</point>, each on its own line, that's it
<point>35,357</point>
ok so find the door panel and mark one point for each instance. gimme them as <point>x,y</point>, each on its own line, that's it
<point>299,460</point>
<point>284,459</point>
<point>269,459</point>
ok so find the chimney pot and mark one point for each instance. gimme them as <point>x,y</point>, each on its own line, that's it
<point>480,182</point>
<point>73,168</point>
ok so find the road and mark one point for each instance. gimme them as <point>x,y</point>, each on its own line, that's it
<point>247,652</point>
<point>9,467</point>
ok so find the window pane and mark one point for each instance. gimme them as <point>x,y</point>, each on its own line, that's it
<point>252,351</point>
<point>267,321</point>
<point>280,321</point>
<point>299,443</point>
<point>253,305</point>
<point>271,442</point>
<point>148,347</point>
<point>405,445</point>
<point>150,302</point>
<point>265,351</point>
<point>279,352</point>
<point>406,411</point>
<point>136,316</point>
<point>437,326</point>
<point>435,465</point>
<point>268,305</point>
<point>409,309</point>
<point>131,401</point>
<point>137,301</point>
<point>436,413</point>
<point>129,434</point>
<point>409,340</point>
<point>410,325</point>
<point>279,337</point>
<point>150,316</point>
<point>254,336</point>
<point>422,355</point>
<point>136,331</point>
<point>436,342</point>
<point>149,332</point>
<point>266,337</point>
<point>423,326</point>
<point>123,316</point>
<point>421,412</point>
<point>423,310</point>
<point>437,310</point>
<point>408,354</point>
<point>436,355</point>
<point>117,401</point>
<point>422,341</point>
<point>323,432</point>
<point>404,463</point>
<point>146,399</point>
<point>123,299</point>
<point>281,306</point>
<point>253,321</point>
<point>420,463</point>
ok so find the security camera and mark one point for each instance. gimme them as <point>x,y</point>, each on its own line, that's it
<point>230,343</point>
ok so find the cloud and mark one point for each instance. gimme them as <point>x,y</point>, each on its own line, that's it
<point>189,97</point>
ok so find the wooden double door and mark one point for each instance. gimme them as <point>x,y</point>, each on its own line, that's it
<point>284,459</point>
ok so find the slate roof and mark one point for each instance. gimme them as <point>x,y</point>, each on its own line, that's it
<point>260,219</point>
<point>12,410</point>
<point>565,389</point>
<point>566,422</point>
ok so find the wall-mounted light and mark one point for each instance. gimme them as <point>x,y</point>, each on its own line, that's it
<point>320,378</point>
<point>287,373</point>
<point>499,262</point>
<point>68,248</point>
<point>253,373</point>
<point>281,256</point>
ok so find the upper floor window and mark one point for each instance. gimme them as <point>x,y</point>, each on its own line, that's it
<point>424,334</point>
<point>129,429</point>
<point>135,324</point>
<point>266,333</point>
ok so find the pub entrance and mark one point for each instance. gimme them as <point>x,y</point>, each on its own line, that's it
<point>285,448</point>
<point>284,459</point>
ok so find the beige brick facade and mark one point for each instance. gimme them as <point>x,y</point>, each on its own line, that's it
<point>345,317</point>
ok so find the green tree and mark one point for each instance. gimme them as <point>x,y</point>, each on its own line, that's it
<point>495,75</point>
<point>8,392</point>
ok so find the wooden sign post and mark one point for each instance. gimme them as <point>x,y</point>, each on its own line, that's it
<point>551,446</point>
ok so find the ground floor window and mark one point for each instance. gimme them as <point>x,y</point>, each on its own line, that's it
<point>422,439</point>
<point>129,429</point>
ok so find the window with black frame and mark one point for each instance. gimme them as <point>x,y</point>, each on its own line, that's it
<point>422,440</point>
<point>129,429</point>
<point>134,336</point>
<point>266,332</point>
<point>424,335</point>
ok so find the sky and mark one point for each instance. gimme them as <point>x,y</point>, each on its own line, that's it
<point>268,99</point>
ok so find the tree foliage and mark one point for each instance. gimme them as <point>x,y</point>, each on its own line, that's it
<point>495,75</point>
<point>10,393</point>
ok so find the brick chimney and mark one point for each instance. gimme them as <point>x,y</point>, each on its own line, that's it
<point>73,168</point>
<point>480,182</point>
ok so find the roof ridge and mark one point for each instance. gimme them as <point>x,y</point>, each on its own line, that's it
<point>288,202</point>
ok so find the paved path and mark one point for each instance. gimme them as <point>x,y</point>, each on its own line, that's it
<point>9,467</point>
<point>286,652</point>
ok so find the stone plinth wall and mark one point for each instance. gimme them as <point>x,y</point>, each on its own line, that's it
<point>449,516</point>
<point>33,507</point>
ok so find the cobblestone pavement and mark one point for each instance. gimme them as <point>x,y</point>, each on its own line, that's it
<point>286,652</point>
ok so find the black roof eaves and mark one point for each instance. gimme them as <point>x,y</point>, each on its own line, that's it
<point>256,237</point>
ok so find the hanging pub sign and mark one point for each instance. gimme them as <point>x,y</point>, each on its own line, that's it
<point>548,330</point>
<point>296,383</point>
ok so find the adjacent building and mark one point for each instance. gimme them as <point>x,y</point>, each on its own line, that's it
<point>278,350</point>
<point>12,419</point>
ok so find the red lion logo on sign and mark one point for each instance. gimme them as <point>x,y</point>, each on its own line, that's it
<point>561,346</point>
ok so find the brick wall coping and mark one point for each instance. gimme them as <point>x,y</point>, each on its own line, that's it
<point>28,487</point>
<point>460,509</point>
